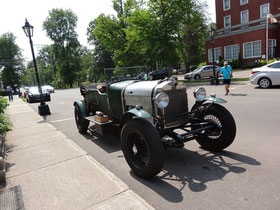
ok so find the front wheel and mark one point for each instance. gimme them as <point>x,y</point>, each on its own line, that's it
<point>222,134</point>
<point>142,148</point>
<point>81,122</point>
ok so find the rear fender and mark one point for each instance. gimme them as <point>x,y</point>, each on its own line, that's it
<point>82,106</point>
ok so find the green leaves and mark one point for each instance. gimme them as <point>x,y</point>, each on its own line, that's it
<point>11,59</point>
<point>60,27</point>
<point>5,124</point>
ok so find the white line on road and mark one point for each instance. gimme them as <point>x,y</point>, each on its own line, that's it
<point>54,121</point>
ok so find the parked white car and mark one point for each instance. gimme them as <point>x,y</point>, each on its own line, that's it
<point>49,88</point>
<point>267,75</point>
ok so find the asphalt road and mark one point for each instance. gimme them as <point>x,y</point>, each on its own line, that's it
<point>244,176</point>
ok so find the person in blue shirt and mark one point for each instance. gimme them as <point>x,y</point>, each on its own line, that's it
<point>226,72</point>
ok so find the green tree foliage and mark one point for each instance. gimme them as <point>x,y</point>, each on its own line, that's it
<point>11,59</point>
<point>60,27</point>
<point>5,124</point>
<point>101,57</point>
<point>160,34</point>
<point>46,65</point>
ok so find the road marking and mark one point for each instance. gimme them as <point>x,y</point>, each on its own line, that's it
<point>54,121</point>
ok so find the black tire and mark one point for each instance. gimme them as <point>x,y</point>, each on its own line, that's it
<point>264,82</point>
<point>142,148</point>
<point>197,77</point>
<point>81,123</point>
<point>223,134</point>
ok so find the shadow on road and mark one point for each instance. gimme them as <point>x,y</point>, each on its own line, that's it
<point>237,94</point>
<point>109,142</point>
<point>194,169</point>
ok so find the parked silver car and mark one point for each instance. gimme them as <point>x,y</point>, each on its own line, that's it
<point>267,75</point>
<point>203,72</point>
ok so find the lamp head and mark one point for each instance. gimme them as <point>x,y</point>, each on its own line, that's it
<point>28,29</point>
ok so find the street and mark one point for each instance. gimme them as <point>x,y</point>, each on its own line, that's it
<point>244,176</point>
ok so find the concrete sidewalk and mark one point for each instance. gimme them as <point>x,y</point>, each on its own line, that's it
<point>54,173</point>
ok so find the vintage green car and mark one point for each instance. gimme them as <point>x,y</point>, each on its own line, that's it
<point>152,116</point>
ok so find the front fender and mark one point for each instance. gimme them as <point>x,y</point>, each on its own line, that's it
<point>140,113</point>
<point>82,106</point>
<point>215,100</point>
<point>134,113</point>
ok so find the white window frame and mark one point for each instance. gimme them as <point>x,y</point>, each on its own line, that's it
<point>228,16</point>
<point>232,52</point>
<point>225,9</point>
<point>216,56</point>
<point>252,49</point>
<point>263,5</point>
<point>242,2</point>
<point>247,16</point>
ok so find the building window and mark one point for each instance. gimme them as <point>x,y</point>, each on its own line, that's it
<point>244,16</point>
<point>217,54</point>
<point>271,48</point>
<point>226,5</point>
<point>227,21</point>
<point>252,49</point>
<point>231,52</point>
<point>264,9</point>
<point>243,2</point>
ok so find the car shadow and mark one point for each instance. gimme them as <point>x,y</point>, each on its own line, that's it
<point>194,170</point>
<point>109,142</point>
<point>272,87</point>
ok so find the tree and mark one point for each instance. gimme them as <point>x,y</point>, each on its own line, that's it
<point>101,57</point>
<point>60,27</point>
<point>46,65</point>
<point>11,59</point>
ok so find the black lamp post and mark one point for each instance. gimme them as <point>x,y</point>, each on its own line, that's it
<point>43,108</point>
<point>214,79</point>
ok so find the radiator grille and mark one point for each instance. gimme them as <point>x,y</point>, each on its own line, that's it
<point>178,104</point>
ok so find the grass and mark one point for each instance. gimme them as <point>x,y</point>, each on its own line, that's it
<point>23,99</point>
<point>208,80</point>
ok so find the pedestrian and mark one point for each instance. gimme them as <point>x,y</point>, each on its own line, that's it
<point>10,93</point>
<point>226,72</point>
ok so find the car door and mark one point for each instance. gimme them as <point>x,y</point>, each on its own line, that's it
<point>208,71</point>
<point>204,72</point>
<point>275,73</point>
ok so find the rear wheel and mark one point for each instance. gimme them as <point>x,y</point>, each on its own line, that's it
<point>264,82</point>
<point>81,122</point>
<point>197,77</point>
<point>222,134</point>
<point>142,148</point>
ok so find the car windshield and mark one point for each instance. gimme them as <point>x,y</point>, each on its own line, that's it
<point>34,90</point>
<point>196,70</point>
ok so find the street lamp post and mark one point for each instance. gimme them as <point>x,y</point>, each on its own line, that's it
<point>43,108</point>
<point>214,79</point>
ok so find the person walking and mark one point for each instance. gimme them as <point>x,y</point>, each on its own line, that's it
<point>226,72</point>
<point>10,93</point>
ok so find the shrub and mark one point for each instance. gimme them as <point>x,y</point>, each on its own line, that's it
<point>202,64</point>
<point>5,124</point>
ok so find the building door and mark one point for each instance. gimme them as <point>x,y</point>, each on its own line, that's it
<point>271,48</point>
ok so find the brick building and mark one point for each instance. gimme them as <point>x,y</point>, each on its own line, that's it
<point>241,28</point>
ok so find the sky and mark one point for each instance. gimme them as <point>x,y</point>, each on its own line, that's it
<point>14,12</point>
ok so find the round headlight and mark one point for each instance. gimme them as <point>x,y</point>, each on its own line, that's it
<point>199,93</point>
<point>162,100</point>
